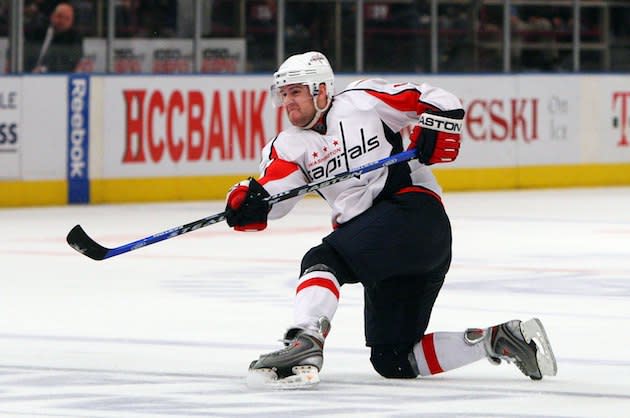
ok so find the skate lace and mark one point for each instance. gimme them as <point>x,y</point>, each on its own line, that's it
<point>284,350</point>
<point>291,344</point>
<point>288,346</point>
<point>290,335</point>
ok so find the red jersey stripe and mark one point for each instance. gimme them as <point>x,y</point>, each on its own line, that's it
<point>430,356</point>
<point>405,101</point>
<point>278,169</point>
<point>319,281</point>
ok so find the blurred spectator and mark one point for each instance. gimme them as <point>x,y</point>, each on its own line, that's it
<point>261,29</point>
<point>619,27</point>
<point>261,16</point>
<point>37,12</point>
<point>455,38</point>
<point>126,18</point>
<point>47,7</point>
<point>56,48</point>
<point>224,19</point>
<point>535,31</point>
<point>4,17</point>
<point>156,18</point>
<point>303,27</point>
<point>85,17</point>
<point>401,29</point>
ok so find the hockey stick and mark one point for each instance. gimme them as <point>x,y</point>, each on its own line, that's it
<point>79,240</point>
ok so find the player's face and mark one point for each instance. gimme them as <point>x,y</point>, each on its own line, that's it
<point>298,102</point>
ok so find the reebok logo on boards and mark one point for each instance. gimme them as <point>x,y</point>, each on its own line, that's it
<point>77,168</point>
<point>78,93</point>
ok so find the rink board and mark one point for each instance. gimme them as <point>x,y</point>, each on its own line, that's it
<point>102,139</point>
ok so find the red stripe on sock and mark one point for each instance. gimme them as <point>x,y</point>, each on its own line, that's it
<point>428,347</point>
<point>318,281</point>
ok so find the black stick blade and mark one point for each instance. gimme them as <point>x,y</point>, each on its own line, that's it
<point>80,241</point>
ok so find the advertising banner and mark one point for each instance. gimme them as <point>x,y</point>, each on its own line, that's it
<point>10,111</point>
<point>614,119</point>
<point>166,56</point>
<point>511,121</point>
<point>173,137</point>
<point>186,125</point>
<point>217,125</point>
<point>78,138</point>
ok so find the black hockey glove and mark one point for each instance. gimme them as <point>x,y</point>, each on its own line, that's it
<point>245,209</point>
<point>437,136</point>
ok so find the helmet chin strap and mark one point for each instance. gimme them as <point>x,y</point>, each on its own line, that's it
<point>318,112</point>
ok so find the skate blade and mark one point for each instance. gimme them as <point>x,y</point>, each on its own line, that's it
<point>304,377</point>
<point>534,330</point>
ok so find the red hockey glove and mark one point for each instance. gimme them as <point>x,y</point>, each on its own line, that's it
<point>437,136</point>
<point>246,209</point>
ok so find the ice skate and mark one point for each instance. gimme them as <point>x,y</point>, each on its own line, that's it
<point>295,366</point>
<point>523,343</point>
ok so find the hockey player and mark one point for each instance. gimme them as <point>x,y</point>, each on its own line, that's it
<point>391,232</point>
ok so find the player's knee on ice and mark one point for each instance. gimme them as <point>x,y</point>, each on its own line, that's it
<point>394,361</point>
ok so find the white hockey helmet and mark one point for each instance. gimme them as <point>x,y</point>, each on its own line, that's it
<point>310,69</point>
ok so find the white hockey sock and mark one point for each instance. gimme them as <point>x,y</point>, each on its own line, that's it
<point>443,351</point>
<point>317,295</point>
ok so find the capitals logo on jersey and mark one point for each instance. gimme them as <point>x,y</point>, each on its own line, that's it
<point>326,165</point>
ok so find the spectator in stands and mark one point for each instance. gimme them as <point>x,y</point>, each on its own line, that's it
<point>261,28</point>
<point>533,28</point>
<point>303,27</point>
<point>156,18</point>
<point>456,30</point>
<point>126,17</point>
<point>4,18</point>
<point>56,48</point>
<point>37,12</point>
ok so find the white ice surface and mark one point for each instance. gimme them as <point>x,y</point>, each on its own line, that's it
<point>169,330</point>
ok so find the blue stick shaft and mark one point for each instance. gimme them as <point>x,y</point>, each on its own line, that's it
<point>79,240</point>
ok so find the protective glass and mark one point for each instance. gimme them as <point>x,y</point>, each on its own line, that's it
<point>276,95</point>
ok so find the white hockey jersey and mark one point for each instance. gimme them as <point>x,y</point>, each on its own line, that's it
<point>362,125</point>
